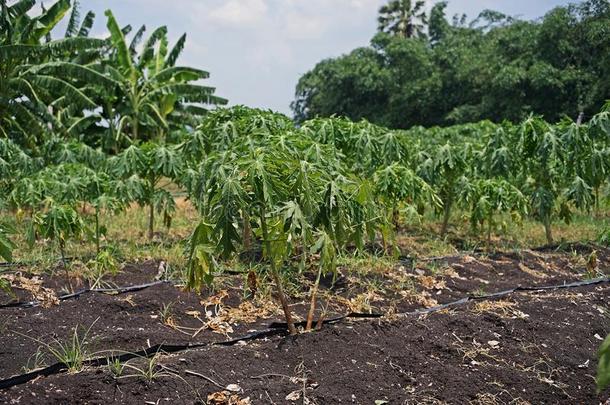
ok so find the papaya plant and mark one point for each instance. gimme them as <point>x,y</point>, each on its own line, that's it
<point>445,170</point>
<point>152,163</point>
<point>486,198</point>
<point>6,245</point>
<point>291,205</point>
<point>58,223</point>
<point>539,147</point>
<point>397,186</point>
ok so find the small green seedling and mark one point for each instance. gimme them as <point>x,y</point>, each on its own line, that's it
<point>116,367</point>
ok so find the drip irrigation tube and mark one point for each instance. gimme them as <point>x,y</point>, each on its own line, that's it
<point>274,329</point>
<point>146,353</point>
<point>118,290</point>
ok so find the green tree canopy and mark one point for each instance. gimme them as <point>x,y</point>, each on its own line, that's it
<point>494,67</point>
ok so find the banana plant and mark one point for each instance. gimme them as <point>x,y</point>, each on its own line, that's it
<point>37,78</point>
<point>153,94</point>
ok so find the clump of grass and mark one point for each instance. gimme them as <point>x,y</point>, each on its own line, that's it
<point>151,369</point>
<point>35,361</point>
<point>116,367</point>
<point>166,313</point>
<point>73,352</point>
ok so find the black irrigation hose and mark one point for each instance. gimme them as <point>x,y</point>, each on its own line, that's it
<point>146,353</point>
<point>34,262</point>
<point>275,328</point>
<point>119,290</point>
<point>462,301</point>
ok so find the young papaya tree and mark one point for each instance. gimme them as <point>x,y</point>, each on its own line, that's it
<point>445,170</point>
<point>487,198</point>
<point>291,205</point>
<point>541,169</point>
<point>105,194</point>
<point>396,186</point>
<point>6,245</point>
<point>603,366</point>
<point>58,223</point>
<point>6,253</point>
<point>152,163</point>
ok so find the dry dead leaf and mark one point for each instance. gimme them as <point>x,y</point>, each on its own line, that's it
<point>45,296</point>
<point>426,300</point>
<point>215,299</point>
<point>531,272</point>
<point>226,398</point>
<point>294,396</point>
<point>431,283</point>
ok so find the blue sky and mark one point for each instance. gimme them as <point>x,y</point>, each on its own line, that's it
<point>256,50</point>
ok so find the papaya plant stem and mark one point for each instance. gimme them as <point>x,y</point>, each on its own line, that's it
<point>247,233</point>
<point>396,216</point>
<point>322,317</point>
<point>152,181</point>
<point>446,216</point>
<point>62,253</point>
<point>547,229</point>
<point>597,202</point>
<point>97,230</point>
<point>151,221</point>
<point>489,233</point>
<point>312,303</point>
<point>276,277</point>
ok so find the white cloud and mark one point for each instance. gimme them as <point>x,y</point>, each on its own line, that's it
<point>239,12</point>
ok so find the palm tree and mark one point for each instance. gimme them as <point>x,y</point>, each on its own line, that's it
<point>154,95</point>
<point>403,18</point>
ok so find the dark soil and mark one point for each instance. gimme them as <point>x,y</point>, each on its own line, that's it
<point>529,347</point>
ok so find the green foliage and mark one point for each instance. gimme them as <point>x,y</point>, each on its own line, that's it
<point>6,245</point>
<point>153,96</point>
<point>493,67</point>
<point>486,198</point>
<point>603,367</point>
<point>58,222</point>
<point>142,169</point>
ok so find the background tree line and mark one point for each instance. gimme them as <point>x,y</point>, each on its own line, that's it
<point>422,69</point>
